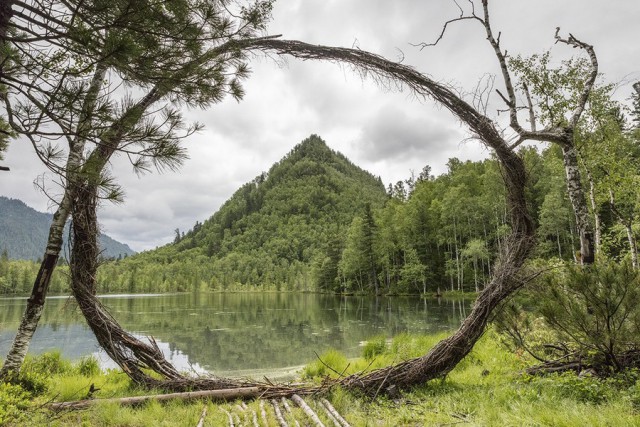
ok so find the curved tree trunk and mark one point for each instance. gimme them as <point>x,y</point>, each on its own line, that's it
<point>506,278</point>
<point>128,352</point>
<point>446,354</point>
<point>35,304</point>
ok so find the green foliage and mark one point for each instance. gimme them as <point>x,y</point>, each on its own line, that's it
<point>284,229</point>
<point>15,402</point>
<point>35,372</point>
<point>328,364</point>
<point>17,277</point>
<point>592,310</point>
<point>88,366</point>
<point>374,347</point>
<point>596,308</point>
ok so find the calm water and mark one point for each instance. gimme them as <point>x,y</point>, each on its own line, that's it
<point>237,334</point>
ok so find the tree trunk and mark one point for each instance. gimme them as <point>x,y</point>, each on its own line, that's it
<point>633,247</point>
<point>579,203</point>
<point>596,216</point>
<point>35,303</point>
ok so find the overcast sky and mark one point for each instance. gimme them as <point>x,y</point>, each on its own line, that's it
<point>387,132</point>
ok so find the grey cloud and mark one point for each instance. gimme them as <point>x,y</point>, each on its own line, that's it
<point>383,131</point>
<point>396,134</point>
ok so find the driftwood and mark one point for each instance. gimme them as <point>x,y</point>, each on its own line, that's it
<point>231,424</point>
<point>307,410</point>
<point>4,168</point>
<point>279,417</point>
<point>287,408</point>
<point>334,413</point>
<point>225,394</point>
<point>263,413</point>
<point>202,417</point>
<point>627,360</point>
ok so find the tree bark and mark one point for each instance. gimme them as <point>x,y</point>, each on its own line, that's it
<point>35,304</point>
<point>596,215</point>
<point>579,202</point>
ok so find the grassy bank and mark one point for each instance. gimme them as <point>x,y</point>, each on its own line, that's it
<point>486,389</point>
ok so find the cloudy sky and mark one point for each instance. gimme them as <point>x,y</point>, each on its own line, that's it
<point>387,132</point>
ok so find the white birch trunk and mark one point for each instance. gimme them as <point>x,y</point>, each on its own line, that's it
<point>579,203</point>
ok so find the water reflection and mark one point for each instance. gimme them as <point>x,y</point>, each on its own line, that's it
<point>222,333</point>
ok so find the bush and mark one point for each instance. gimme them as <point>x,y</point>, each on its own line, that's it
<point>593,311</point>
<point>88,366</point>
<point>374,347</point>
<point>14,402</point>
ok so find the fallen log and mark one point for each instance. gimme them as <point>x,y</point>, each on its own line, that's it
<point>202,417</point>
<point>331,410</point>
<point>224,394</point>
<point>263,413</point>
<point>279,416</point>
<point>307,410</point>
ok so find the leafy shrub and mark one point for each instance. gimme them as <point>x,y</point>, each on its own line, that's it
<point>14,401</point>
<point>88,366</point>
<point>592,310</point>
<point>47,363</point>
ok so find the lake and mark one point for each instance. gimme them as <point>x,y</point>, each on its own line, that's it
<point>237,334</point>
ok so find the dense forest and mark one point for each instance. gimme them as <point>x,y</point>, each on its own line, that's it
<point>317,222</point>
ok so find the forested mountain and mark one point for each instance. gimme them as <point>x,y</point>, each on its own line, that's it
<point>315,221</point>
<point>23,232</point>
<point>270,232</point>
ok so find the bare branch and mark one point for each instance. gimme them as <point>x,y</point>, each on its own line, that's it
<point>593,74</point>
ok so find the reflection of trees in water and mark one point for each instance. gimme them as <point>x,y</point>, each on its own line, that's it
<point>262,330</point>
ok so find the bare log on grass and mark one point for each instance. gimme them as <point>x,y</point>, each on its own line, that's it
<point>130,353</point>
<point>263,413</point>
<point>203,415</point>
<point>231,424</point>
<point>225,394</point>
<point>279,417</point>
<point>331,410</point>
<point>307,410</point>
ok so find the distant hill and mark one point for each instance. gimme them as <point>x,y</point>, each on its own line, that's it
<point>273,230</point>
<point>24,231</point>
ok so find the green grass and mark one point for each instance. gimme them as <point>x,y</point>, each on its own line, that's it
<point>486,389</point>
